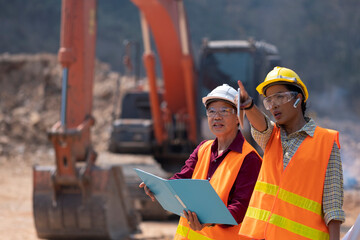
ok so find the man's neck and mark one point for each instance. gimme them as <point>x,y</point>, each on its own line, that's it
<point>224,142</point>
<point>294,126</point>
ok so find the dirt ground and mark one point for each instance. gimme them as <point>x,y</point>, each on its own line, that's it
<point>16,218</point>
<point>30,104</point>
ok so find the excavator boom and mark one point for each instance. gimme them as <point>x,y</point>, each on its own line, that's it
<point>76,198</point>
<point>167,21</point>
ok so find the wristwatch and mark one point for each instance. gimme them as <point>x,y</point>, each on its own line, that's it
<point>251,104</point>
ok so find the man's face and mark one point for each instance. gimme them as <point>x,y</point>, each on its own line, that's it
<point>282,112</point>
<point>222,118</point>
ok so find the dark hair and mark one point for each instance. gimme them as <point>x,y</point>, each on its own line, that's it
<point>294,88</point>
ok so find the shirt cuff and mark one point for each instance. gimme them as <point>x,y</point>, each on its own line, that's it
<point>338,215</point>
<point>263,137</point>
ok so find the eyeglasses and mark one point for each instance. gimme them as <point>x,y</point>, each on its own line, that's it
<point>278,99</point>
<point>223,112</point>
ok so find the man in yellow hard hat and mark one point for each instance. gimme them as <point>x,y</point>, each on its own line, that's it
<point>299,191</point>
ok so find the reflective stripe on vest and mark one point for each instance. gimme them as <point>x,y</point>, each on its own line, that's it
<point>287,224</point>
<point>287,204</point>
<point>289,197</point>
<point>187,233</point>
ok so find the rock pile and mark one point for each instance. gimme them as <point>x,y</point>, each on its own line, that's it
<point>30,87</point>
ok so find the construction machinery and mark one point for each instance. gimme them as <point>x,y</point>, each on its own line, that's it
<point>168,120</point>
<point>78,198</point>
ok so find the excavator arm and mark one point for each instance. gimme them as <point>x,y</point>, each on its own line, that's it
<point>76,198</point>
<point>167,21</point>
<point>162,121</point>
<point>71,136</point>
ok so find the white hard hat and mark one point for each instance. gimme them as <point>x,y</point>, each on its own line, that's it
<point>223,92</point>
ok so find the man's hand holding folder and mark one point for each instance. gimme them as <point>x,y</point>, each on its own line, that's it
<point>147,191</point>
<point>194,199</point>
<point>194,223</point>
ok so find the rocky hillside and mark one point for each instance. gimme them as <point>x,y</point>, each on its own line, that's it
<point>30,92</point>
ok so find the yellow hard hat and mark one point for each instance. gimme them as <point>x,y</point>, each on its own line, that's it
<point>281,75</point>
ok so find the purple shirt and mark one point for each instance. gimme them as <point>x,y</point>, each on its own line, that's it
<point>242,189</point>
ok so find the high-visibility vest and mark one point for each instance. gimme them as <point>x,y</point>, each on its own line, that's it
<point>287,204</point>
<point>222,182</point>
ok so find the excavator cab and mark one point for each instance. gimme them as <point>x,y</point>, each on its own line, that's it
<point>229,61</point>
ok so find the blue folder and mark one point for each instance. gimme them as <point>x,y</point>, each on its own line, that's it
<point>188,194</point>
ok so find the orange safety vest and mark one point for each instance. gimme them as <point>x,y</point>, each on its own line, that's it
<point>287,204</point>
<point>222,181</point>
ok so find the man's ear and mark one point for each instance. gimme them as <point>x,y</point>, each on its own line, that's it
<point>299,95</point>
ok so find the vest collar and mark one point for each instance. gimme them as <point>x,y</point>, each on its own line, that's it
<point>308,128</point>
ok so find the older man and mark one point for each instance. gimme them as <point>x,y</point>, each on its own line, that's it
<point>229,162</point>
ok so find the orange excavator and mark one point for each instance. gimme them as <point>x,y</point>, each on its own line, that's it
<point>80,198</point>
<point>77,198</point>
<point>168,120</point>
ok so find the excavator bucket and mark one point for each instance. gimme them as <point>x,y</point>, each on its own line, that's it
<point>102,210</point>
